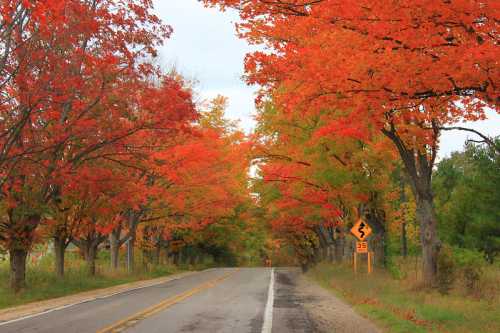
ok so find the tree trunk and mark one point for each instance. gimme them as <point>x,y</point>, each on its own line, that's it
<point>17,251</point>
<point>324,253</point>
<point>404,240</point>
<point>165,256</point>
<point>332,253</point>
<point>130,251</point>
<point>18,269</point>
<point>316,258</point>
<point>157,255</point>
<point>180,256</point>
<point>418,166</point>
<point>133,221</point>
<point>426,217</point>
<point>404,237</point>
<point>385,250</point>
<point>379,246</point>
<point>59,250</point>
<point>339,246</point>
<point>322,234</point>
<point>328,253</point>
<point>144,259</point>
<point>114,250</point>
<point>90,256</point>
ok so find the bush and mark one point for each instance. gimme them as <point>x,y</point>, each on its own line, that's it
<point>471,265</point>
<point>394,269</point>
<point>446,274</point>
<point>392,259</point>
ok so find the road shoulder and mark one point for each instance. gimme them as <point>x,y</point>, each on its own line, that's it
<point>329,313</point>
<point>36,308</point>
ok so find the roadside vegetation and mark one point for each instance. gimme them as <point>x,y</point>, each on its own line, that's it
<point>352,115</point>
<point>43,284</point>
<point>465,296</point>
<point>402,305</point>
<point>351,119</point>
<point>101,149</point>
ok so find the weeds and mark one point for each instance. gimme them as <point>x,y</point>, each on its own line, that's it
<point>42,283</point>
<point>403,306</point>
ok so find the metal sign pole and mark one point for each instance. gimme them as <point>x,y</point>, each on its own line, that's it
<point>355,254</point>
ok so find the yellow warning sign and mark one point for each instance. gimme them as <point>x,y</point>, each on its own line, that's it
<point>361,230</point>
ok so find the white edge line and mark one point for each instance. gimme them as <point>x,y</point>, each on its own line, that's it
<point>267,327</point>
<point>2,323</point>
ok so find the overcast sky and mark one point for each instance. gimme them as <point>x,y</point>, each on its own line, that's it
<point>204,47</point>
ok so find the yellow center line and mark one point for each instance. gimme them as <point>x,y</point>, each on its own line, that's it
<point>130,321</point>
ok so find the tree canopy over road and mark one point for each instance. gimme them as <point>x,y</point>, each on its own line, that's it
<point>102,149</point>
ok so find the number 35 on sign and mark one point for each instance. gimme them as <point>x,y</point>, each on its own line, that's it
<point>361,247</point>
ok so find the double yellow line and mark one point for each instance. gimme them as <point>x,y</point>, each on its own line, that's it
<point>128,322</point>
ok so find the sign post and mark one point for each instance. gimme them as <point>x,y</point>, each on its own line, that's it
<point>361,230</point>
<point>354,258</point>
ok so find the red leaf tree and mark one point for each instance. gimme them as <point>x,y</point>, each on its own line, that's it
<point>408,69</point>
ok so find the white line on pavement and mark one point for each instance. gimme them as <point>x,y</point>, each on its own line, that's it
<point>3,323</point>
<point>267,327</point>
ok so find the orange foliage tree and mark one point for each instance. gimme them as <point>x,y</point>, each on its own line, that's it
<point>67,74</point>
<point>316,184</point>
<point>408,69</point>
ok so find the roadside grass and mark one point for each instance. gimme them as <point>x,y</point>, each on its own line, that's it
<point>43,284</point>
<point>403,306</point>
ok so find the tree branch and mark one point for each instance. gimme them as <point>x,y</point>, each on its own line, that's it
<point>489,141</point>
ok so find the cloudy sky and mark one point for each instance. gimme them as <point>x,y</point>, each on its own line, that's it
<point>204,47</point>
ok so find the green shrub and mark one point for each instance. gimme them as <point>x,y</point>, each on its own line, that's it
<point>392,259</point>
<point>394,269</point>
<point>446,274</point>
<point>104,255</point>
<point>471,265</point>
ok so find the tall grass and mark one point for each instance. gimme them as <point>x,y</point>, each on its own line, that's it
<point>43,284</point>
<point>401,305</point>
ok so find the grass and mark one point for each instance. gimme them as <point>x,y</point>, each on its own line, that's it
<point>42,283</point>
<point>402,306</point>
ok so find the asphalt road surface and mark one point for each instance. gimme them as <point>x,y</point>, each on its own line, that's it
<point>217,300</point>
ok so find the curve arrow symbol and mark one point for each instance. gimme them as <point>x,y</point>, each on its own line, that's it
<point>360,229</point>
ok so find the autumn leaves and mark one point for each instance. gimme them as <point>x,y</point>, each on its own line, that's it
<point>365,74</point>
<point>96,139</point>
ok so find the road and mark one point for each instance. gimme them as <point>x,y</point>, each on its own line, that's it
<point>217,300</point>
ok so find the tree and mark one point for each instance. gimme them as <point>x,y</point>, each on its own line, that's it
<point>315,184</point>
<point>467,190</point>
<point>195,178</point>
<point>96,142</point>
<point>22,27</point>
<point>408,69</point>
<point>52,125</point>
